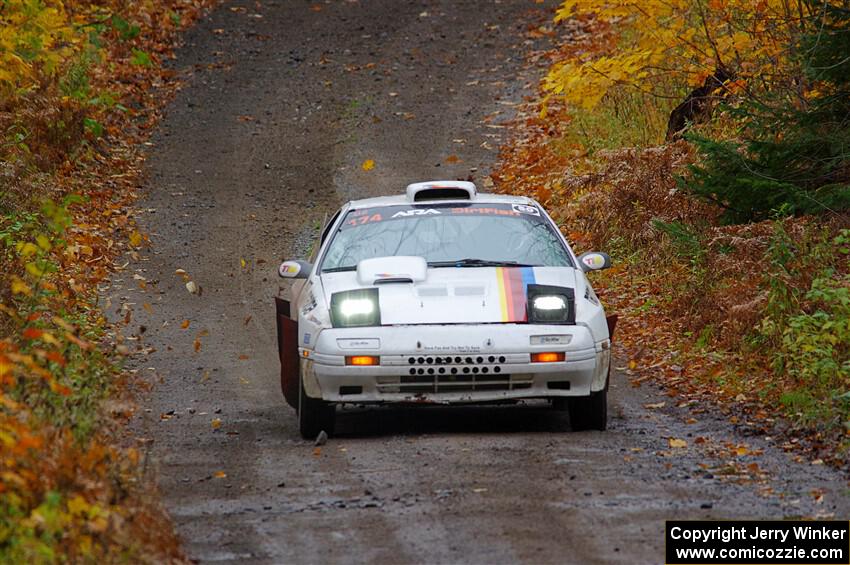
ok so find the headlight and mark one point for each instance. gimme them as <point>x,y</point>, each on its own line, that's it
<point>550,304</point>
<point>354,308</point>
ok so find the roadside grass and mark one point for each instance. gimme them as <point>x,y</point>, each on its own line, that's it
<point>754,317</point>
<point>622,119</point>
<point>78,92</point>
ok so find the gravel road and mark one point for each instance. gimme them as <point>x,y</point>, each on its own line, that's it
<point>283,102</point>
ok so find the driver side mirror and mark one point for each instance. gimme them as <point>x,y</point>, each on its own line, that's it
<point>295,269</point>
<point>594,261</point>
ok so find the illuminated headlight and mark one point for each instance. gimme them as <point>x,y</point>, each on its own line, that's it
<point>552,302</point>
<point>355,308</point>
<point>550,305</point>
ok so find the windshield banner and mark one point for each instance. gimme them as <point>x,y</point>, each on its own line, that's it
<point>382,214</point>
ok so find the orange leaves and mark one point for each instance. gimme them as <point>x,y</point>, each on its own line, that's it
<point>56,357</point>
<point>368,165</point>
<point>32,333</point>
<point>196,345</point>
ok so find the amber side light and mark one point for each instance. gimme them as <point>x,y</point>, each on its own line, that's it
<point>362,360</point>
<point>548,357</point>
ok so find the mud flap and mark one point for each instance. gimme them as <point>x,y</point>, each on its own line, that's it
<point>612,323</point>
<point>287,347</point>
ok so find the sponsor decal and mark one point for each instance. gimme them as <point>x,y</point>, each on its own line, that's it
<point>593,261</point>
<point>289,268</point>
<point>365,216</point>
<point>551,339</point>
<point>307,339</point>
<point>408,213</point>
<point>355,343</point>
<point>310,304</point>
<point>513,286</point>
<point>525,209</point>
<point>451,349</point>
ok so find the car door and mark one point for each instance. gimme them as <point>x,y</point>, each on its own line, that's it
<point>287,347</point>
<point>287,330</point>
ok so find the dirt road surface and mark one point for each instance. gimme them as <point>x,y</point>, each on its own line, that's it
<point>284,100</point>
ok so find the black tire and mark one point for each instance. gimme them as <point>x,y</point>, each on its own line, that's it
<point>314,415</point>
<point>589,412</point>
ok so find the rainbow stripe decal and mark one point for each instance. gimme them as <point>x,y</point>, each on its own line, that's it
<point>513,287</point>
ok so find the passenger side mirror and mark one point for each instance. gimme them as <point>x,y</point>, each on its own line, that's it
<point>295,269</point>
<point>594,261</point>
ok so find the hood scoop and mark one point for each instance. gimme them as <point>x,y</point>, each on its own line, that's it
<point>393,280</point>
<point>388,270</point>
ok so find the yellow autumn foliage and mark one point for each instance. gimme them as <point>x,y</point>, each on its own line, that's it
<point>36,36</point>
<point>679,42</point>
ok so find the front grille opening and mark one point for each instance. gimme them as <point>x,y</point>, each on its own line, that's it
<point>456,383</point>
<point>453,379</point>
<point>438,373</point>
<point>350,389</point>
<point>558,385</point>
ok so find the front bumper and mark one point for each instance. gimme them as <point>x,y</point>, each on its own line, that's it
<point>454,363</point>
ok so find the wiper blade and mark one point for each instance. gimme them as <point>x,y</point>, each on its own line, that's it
<point>477,263</point>
<point>340,269</point>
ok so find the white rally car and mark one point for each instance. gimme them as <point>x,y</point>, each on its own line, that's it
<point>443,295</point>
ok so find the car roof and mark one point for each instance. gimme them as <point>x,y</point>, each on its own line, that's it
<point>401,200</point>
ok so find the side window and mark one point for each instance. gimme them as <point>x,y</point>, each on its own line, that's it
<point>327,229</point>
<point>325,232</point>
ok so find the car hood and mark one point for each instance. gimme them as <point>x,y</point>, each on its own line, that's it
<point>456,295</point>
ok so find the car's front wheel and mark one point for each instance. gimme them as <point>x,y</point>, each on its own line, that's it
<point>314,415</point>
<point>589,412</point>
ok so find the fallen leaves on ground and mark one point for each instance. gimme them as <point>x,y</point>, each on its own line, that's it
<point>684,324</point>
<point>86,97</point>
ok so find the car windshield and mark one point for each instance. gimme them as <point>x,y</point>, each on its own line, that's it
<point>449,235</point>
